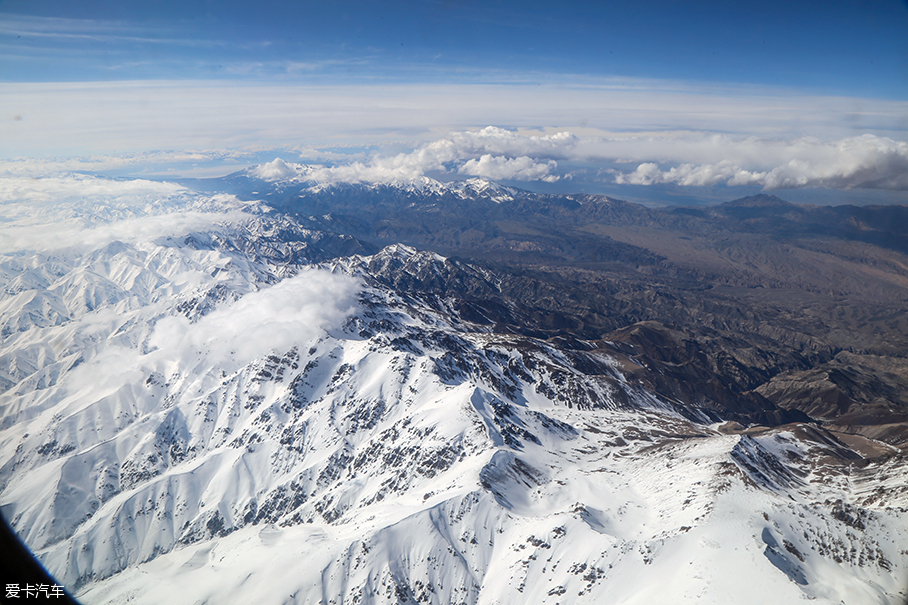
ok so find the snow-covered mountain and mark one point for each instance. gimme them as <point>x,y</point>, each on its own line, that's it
<point>253,411</point>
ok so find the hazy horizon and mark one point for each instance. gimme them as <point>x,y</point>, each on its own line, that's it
<point>662,103</point>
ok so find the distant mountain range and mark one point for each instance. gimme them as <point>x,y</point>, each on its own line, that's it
<point>421,392</point>
<point>802,287</point>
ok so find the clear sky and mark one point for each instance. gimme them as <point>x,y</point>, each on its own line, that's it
<point>836,47</point>
<point>113,77</point>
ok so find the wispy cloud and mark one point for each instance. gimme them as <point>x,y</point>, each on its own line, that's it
<point>34,167</point>
<point>632,131</point>
<point>278,68</point>
<point>94,30</point>
<point>86,118</point>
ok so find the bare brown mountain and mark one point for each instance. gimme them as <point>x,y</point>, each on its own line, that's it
<point>758,309</point>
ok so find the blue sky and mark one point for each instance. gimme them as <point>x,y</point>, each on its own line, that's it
<point>849,48</point>
<point>772,87</point>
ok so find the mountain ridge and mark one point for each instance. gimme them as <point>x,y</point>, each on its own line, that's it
<point>396,424</point>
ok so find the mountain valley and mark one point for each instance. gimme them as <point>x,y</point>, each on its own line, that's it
<point>459,393</point>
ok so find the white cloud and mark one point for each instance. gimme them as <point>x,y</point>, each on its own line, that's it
<point>75,234</point>
<point>78,119</point>
<point>402,167</point>
<point>74,210</point>
<point>690,175</point>
<point>867,161</point>
<point>773,138</point>
<point>469,152</point>
<point>507,142</point>
<point>682,158</point>
<point>291,312</point>
<point>40,167</point>
<point>685,158</point>
<point>275,170</point>
<point>28,205</point>
<point>108,31</point>
<point>522,168</point>
<point>69,186</point>
<point>310,154</point>
<point>646,173</point>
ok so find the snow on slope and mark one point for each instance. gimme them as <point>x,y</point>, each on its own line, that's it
<point>210,418</point>
<point>279,173</point>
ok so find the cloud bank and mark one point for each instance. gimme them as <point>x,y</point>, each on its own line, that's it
<point>70,187</point>
<point>58,236</point>
<point>492,152</point>
<point>639,132</point>
<point>80,211</point>
<point>103,118</point>
<point>865,162</point>
<point>685,159</point>
<point>522,168</point>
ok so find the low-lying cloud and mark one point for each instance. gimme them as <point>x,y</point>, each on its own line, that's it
<point>64,187</point>
<point>681,158</point>
<point>291,313</point>
<point>522,168</point>
<point>491,152</point>
<point>685,159</point>
<point>277,318</point>
<point>45,237</point>
<point>80,211</point>
<point>48,167</point>
<point>865,162</point>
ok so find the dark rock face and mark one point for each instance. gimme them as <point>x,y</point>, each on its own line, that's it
<point>749,310</point>
<point>756,310</point>
<point>564,339</point>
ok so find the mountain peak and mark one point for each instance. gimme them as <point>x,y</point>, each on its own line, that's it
<point>400,427</point>
<point>484,187</point>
